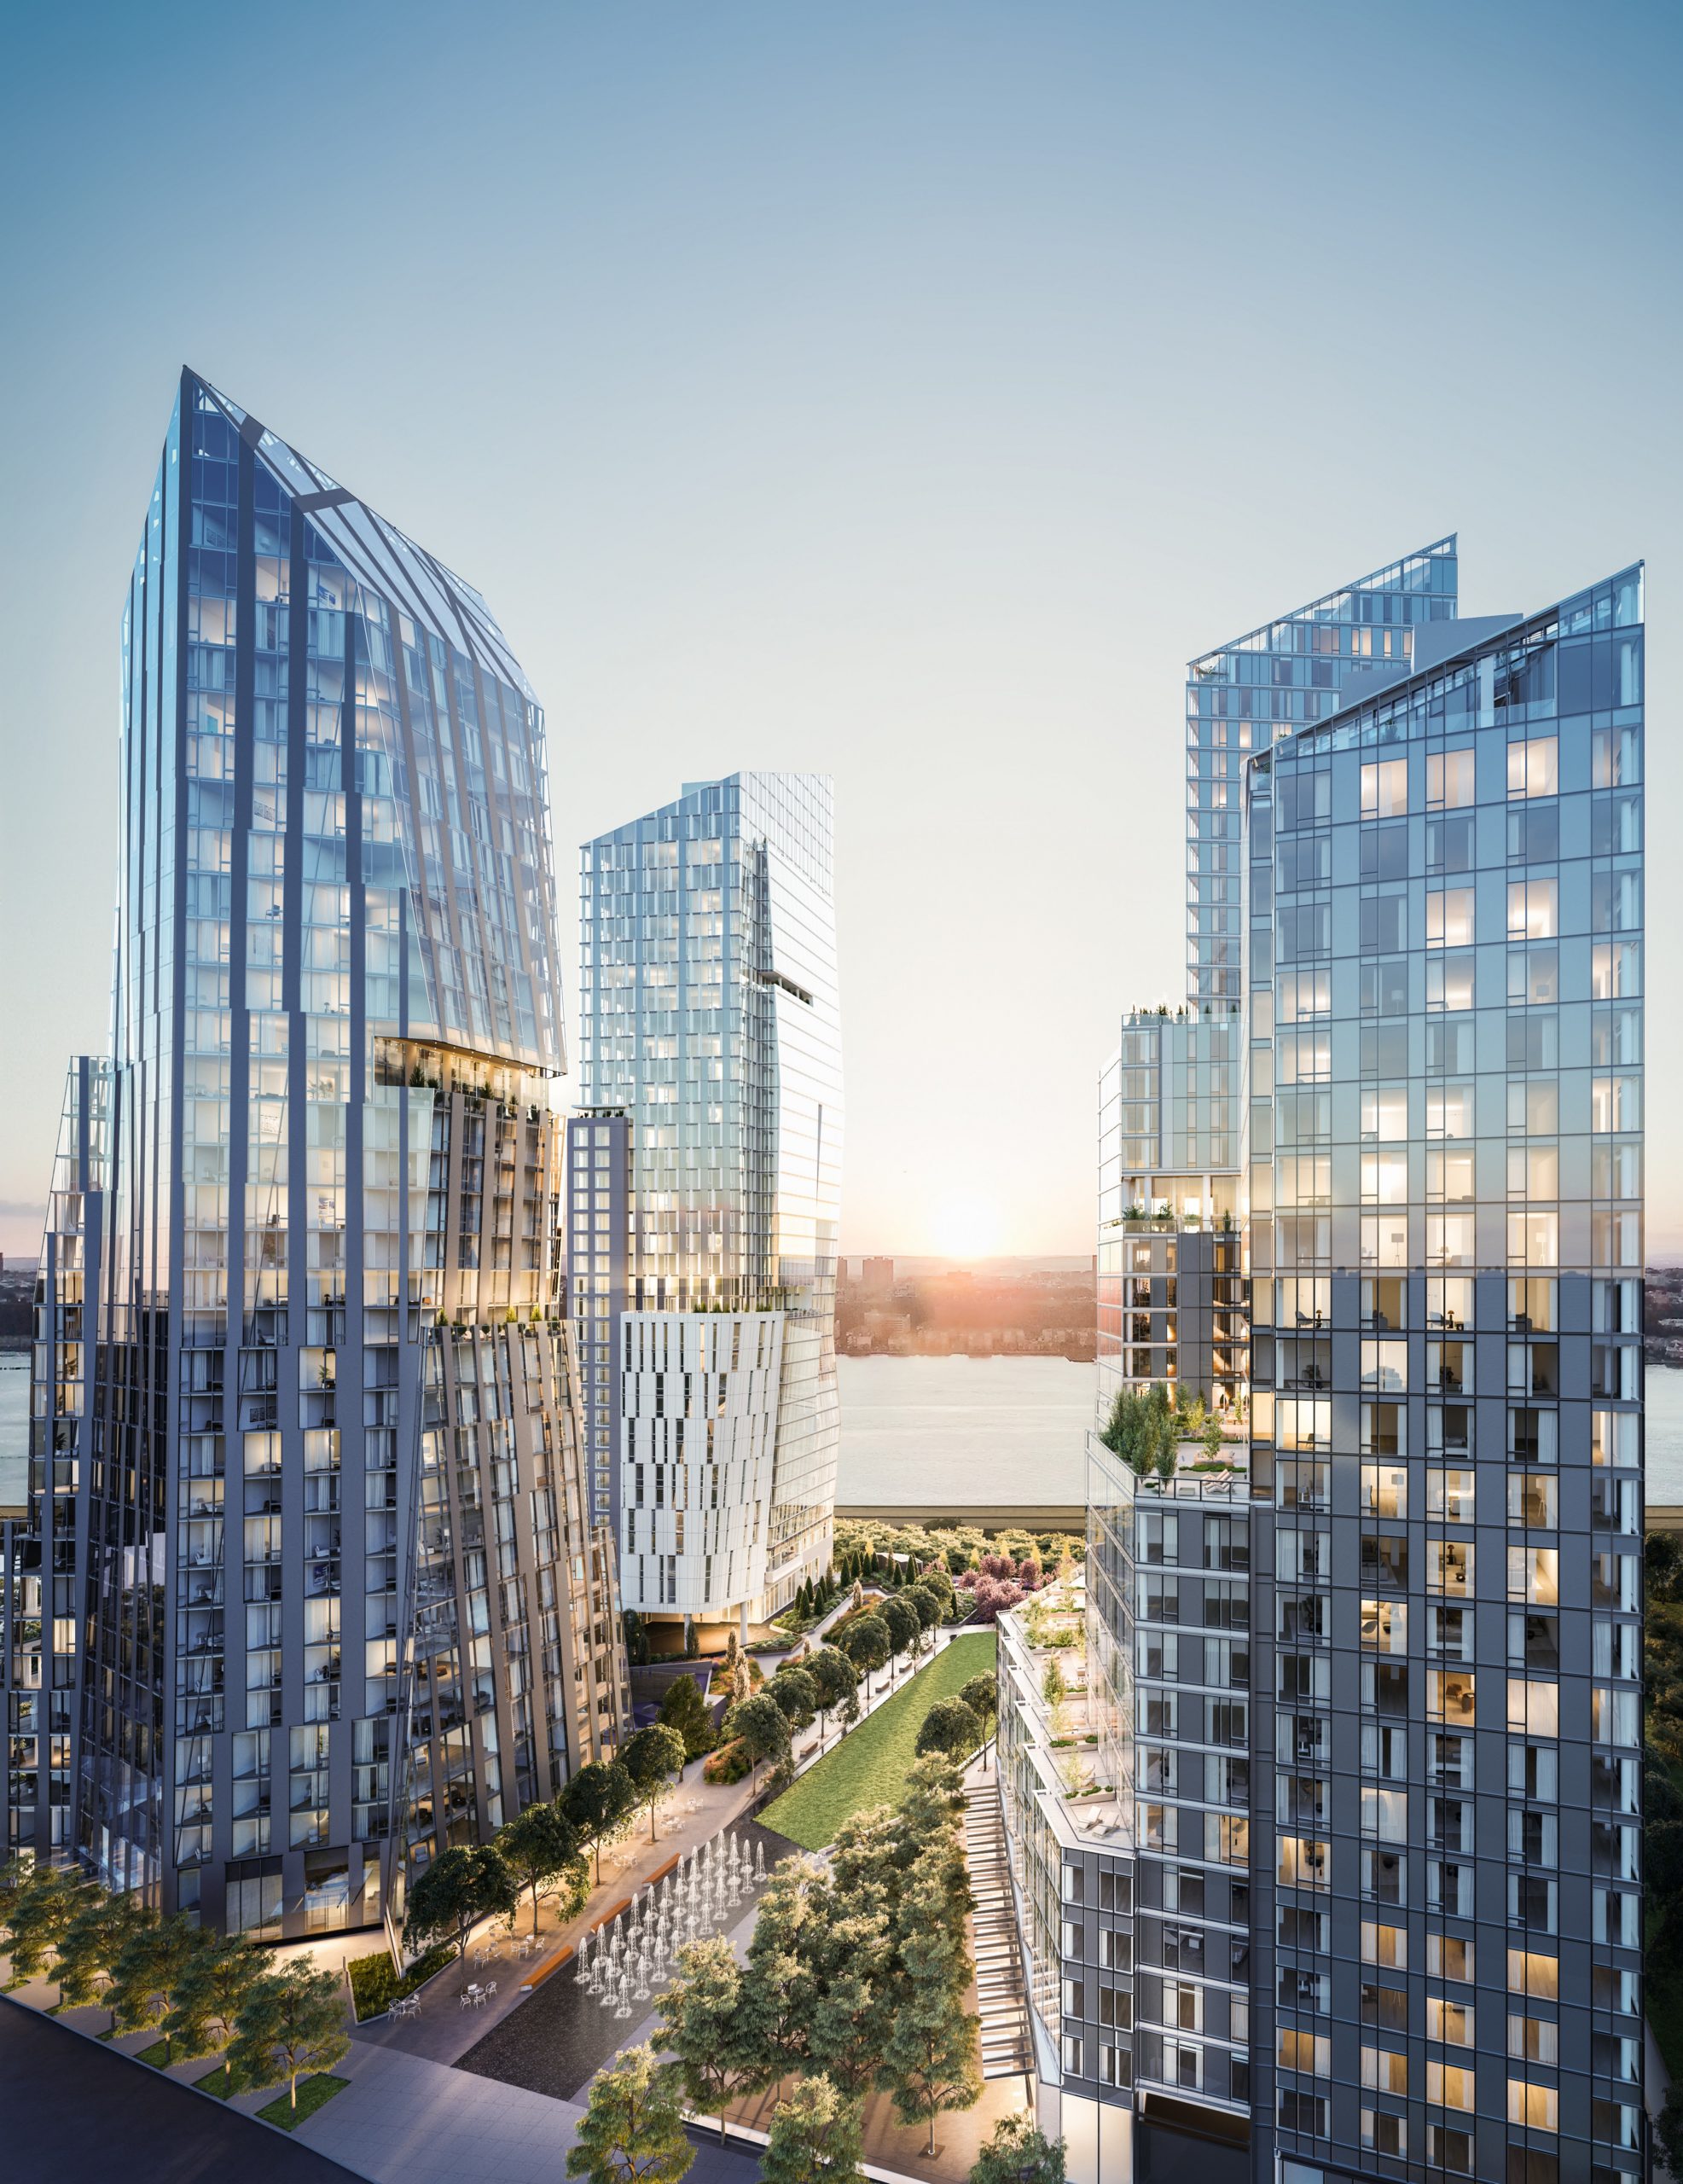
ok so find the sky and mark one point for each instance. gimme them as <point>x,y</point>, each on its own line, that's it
<point>904,391</point>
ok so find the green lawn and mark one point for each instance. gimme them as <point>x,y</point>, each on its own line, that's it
<point>312,2094</point>
<point>868,1766</point>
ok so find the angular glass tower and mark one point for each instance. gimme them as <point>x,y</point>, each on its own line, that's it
<point>710,1058</point>
<point>309,1587</point>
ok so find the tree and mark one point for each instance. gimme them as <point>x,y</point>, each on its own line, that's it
<point>462,1886</point>
<point>795,1694</point>
<point>215,1985</point>
<point>650,1757</point>
<point>759,1725</point>
<point>46,1900</point>
<point>145,1976</point>
<point>700,2023</point>
<point>938,1584</point>
<point>538,1846</point>
<point>1662,1566</point>
<point>853,1955</point>
<point>949,1727</point>
<point>595,1800</point>
<point>292,2022</point>
<point>834,1679</point>
<point>925,1602</point>
<point>779,1987</point>
<point>930,2057</point>
<point>903,1626</point>
<point>815,2137</point>
<point>981,1694</point>
<point>1052,1684</point>
<point>95,1939</point>
<point>864,1878</point>
<point>684,1709</point>
<point>866,1642</point>
<point>632,2130</point>
<point>1020,2153</point>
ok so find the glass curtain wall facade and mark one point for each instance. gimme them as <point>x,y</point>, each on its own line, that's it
<point>1282,676</point>
<point>309,1495</point>
<point>1446,979</point>
<point>1365,1684</point>
<point>712,1025</point>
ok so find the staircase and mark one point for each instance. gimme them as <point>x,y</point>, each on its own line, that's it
<point>1007,2044</point>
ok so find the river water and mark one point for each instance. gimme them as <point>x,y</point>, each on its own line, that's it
<point>964,1432</point>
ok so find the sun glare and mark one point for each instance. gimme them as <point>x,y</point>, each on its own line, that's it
<point>967,1229</point>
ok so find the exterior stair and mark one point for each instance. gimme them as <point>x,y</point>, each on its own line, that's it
<point>1007,2045</point>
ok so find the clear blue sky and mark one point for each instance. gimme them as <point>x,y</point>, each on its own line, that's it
<point>902,390</point>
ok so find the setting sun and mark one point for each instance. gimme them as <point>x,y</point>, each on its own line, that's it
<point>967,1229</point>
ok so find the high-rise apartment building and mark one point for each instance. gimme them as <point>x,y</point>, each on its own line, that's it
<point>1356,1892</point>
<point>711,1058</point>
<point>309,1587</point>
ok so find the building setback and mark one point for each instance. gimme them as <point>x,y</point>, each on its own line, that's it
<point>710,1058</point>
<point>308,1588</point>
<point>1361,1894</point>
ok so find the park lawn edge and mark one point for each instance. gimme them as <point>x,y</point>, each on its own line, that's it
<point>867,1766</point>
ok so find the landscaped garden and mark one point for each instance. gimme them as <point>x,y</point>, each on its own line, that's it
<point>869,1766</point>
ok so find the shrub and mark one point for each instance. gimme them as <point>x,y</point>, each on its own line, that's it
<point>375,1983</point>
<point>729,1763</point>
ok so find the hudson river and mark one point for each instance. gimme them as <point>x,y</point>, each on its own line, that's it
<point>976,1432</point>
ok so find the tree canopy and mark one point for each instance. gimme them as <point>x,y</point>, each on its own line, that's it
<point>950,1727</point>
<point>595,1800</point>
<point>815,2137</point>
<point>684,1709</point>
<point>650,1757</point>
<point>539,1846</point>
<point>461,1887</point>
<point>1019,2152</point>
<point>632,2130</point>
<point>292,2022</point>
<point>759,1725</point>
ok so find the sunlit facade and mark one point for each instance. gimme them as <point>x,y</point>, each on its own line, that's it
<point>1445,966</point>
<point>710,1025</point>
<point>305,1480</point>
<point>1362,1680</point>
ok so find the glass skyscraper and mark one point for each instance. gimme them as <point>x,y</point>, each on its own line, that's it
<point>309,1587</point>
<point>704,1285</point>
<point>1356,1892</point>
<point>1445,1010</point>
<point>1282,676</point>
